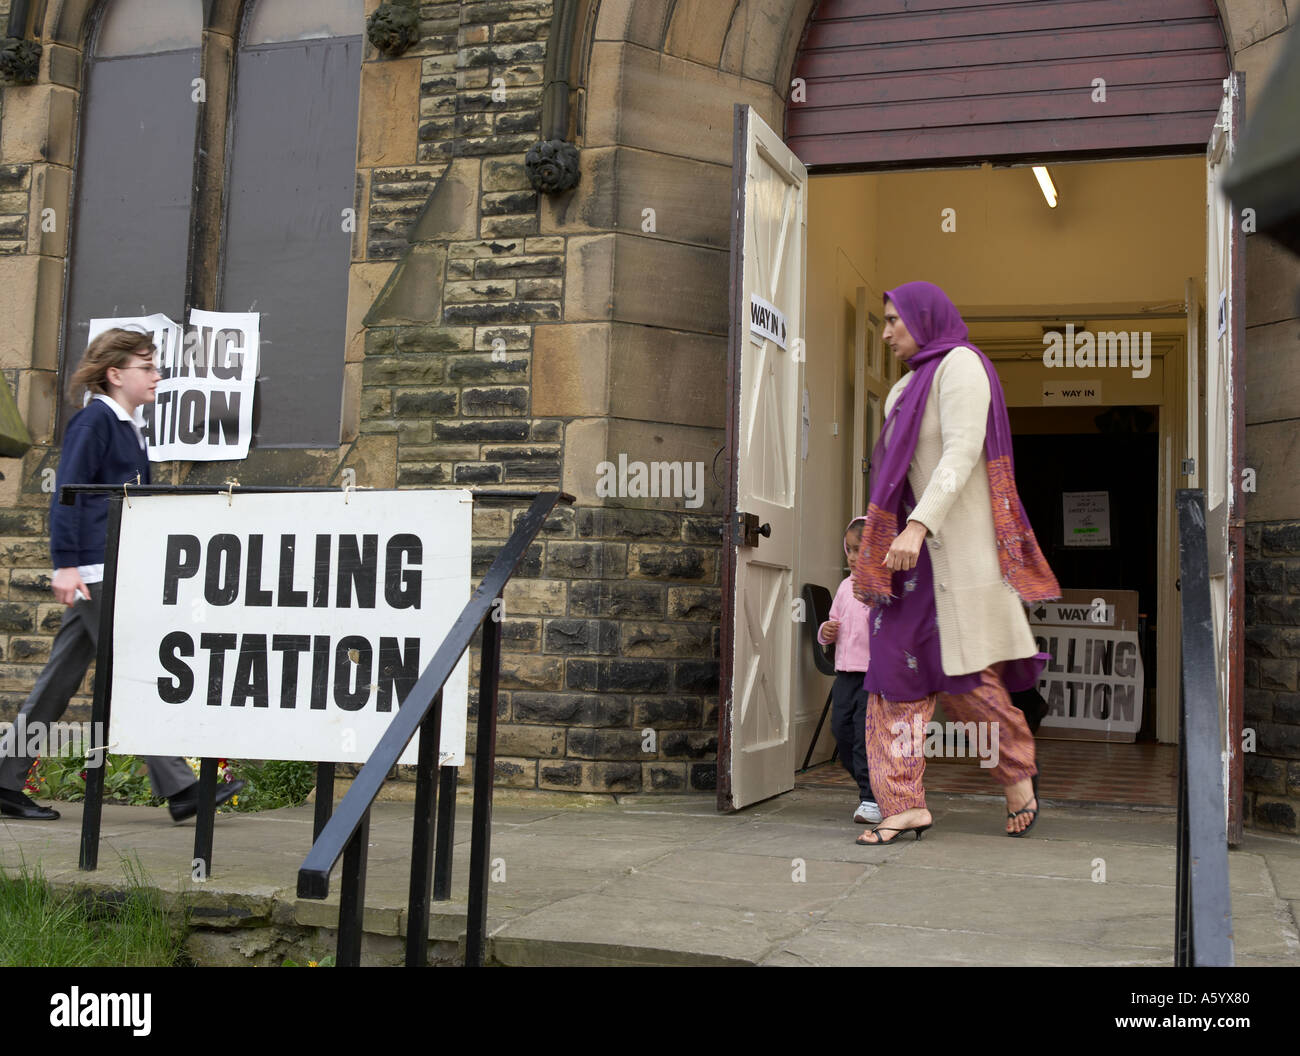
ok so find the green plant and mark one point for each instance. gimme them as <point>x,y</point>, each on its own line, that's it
<point>128,928</point>
<point>272,784</point>
<point>64,777</point>
<point>324,962</point>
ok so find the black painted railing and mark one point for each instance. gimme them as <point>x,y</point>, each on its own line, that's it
<point>346,832</point>
<point>1203,908</point>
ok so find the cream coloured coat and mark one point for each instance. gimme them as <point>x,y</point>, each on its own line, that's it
<point>981,618</point>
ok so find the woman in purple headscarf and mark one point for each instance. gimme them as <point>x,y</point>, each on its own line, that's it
<point>947,560</point>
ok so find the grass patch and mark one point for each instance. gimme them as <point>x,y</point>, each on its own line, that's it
<point>40,928</point>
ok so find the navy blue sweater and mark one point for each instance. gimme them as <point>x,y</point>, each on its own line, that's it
<point>98,448</point>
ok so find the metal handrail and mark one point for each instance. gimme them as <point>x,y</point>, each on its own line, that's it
<point>1203,906</point>
<point>346,833</point>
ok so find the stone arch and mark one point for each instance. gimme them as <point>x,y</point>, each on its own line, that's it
<point>745,44</point>
<point>70,21</point>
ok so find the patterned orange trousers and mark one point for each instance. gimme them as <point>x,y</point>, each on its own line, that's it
<point>897,736</point>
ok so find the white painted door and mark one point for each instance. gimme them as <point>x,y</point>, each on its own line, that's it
<point>1221,427</point>
<point>760,610</point>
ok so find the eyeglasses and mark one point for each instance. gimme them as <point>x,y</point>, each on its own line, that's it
<point>151,367</point>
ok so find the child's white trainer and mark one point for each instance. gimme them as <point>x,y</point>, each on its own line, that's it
<point>867,813</point>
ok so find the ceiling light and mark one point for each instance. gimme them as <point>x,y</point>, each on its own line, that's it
<point>1045,182</point>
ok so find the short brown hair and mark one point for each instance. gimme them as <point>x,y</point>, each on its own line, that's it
<point>112,348</point>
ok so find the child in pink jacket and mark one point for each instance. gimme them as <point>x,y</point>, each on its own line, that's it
<point>848,631</point>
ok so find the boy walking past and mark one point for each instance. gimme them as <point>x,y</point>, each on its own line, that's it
<point>103,445</point>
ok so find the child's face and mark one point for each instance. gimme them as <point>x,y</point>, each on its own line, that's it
<point>851,544</point>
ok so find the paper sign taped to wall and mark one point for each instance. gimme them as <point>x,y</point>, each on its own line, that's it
<point>204,406</point>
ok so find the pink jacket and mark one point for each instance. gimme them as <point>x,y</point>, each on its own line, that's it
<point>853,645</point>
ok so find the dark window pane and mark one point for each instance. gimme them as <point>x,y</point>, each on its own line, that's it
<point>292,173</point>
<point>131,217</point>
<point>144,27</point>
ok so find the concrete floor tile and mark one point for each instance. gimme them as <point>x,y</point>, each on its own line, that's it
<point>747,881</point>
<point>846,944</point>
<point>605,930</point>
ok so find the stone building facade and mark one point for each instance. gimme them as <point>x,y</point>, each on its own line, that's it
<point>501,336</point>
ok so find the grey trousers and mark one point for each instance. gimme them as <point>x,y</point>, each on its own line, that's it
<point>70,658</point>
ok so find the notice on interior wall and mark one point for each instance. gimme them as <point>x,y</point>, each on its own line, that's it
<point>1086,518</point>
<point>1061,393</point>
<point>204,406</point>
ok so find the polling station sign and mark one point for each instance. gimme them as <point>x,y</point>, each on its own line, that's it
<point>204,406</point>
<point>285,626</point>
<point>1094,682</point>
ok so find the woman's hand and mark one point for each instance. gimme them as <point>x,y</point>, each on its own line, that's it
<point>905,550</point>
<point>67,586</point>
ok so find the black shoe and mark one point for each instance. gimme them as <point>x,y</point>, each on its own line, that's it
<point>185,804</point>
<point>20,805</point>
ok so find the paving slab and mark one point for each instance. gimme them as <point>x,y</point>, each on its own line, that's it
<point>746,881</point>
<point>839,943</point>
<point>605,929</point>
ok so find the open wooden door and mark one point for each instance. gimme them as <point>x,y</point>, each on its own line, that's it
<point>760,598</point>
<point>1222,436</point>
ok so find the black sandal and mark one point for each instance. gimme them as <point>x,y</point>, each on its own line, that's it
<point>880,841</point>
<point>1025,810</point>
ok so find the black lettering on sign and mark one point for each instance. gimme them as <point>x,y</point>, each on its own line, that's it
<point>353,653</point>
<point>1100,700</point>
<point>254,594</point>
<point>397,671</point>
<point>221,578</point>
<point>192,417</point>
<point>226,364</point>
<point>320,591</point>
<point>1126,659</point>
<point>251,676</point>
<point>170,649</point>
<point>289,598</point>
<point>291,645</point>
<point>320,670</point>
<point>1124,702</point>
<point>358,571</point>
<point>218,645</point>
<point>181,562</point>
<point>402,586</point>
<point>223,416</point>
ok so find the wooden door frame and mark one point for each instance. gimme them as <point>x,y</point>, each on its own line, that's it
<point>737,334</point>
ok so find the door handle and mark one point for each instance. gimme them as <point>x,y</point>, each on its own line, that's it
<point>745,529</point>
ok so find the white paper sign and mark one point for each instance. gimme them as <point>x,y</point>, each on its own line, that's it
<point>285,626</point>
<point>1094,680</point>
<point>1087,518</point>
<point>766,321</point>
<point>204,406</point>
<point>1059,613</point>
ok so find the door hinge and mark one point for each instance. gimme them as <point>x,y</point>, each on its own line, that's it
<point>745,529</point>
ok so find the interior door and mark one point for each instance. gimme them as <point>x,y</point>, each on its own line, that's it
<point>1222,437</point>
<point>759,610</point>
